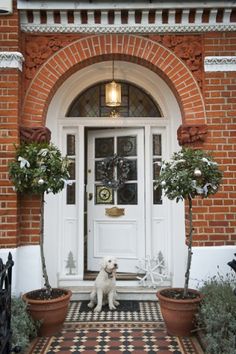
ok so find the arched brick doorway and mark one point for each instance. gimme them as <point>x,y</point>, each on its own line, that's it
<point>74,68</point>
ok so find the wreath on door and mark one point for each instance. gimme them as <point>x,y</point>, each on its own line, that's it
<point>107,170</point>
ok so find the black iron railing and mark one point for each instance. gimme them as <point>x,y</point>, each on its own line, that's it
<point>5,304</point>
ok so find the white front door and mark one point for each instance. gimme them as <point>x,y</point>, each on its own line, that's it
<point>116,216</point>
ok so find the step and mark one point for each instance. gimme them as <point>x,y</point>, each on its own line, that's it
<point>140,293</point>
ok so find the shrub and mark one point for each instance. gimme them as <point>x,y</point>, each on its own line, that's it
<point>24,328</point>
<point>216,316</point>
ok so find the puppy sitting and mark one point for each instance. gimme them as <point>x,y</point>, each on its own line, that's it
<point>104,290</point>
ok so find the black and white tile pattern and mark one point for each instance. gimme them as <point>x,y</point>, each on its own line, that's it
<point>148,311</point>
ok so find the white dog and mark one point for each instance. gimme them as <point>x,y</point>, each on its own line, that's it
<point>104,290</point>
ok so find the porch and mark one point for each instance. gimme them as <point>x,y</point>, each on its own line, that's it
<point>135,327</point>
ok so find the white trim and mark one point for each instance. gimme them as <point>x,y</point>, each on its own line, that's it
<point>220,63</point>
<point>11,60</point>
<point>57,28</point>
<point>132,26</point>
<point>98,5</point>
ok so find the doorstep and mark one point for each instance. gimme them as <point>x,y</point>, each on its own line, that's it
<point>80,293</point>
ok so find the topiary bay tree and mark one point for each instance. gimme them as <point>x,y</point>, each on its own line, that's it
<point>190,173</point>
<point>39,168</point>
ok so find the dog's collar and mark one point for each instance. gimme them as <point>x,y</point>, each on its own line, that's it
<point>110,274</point>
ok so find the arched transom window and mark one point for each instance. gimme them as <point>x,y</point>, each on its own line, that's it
<point>135,102</point>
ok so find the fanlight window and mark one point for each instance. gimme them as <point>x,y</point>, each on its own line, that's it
<point>134,103</point>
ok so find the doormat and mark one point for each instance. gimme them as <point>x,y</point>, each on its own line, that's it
<point>127,311</point>
<point>125,306</point>
<point>96,337</point>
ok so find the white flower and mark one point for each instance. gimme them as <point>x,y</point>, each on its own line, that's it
<point>23,162</point>
<point>176,162</point>
<point>199,190</point>
<point>43,152</point>
<point>40,181</point>
<point>67,182</point>
<point>204,159</point>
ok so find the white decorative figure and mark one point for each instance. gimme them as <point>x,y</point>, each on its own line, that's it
<point>154,270</point>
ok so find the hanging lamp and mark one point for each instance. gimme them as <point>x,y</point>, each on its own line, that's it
<point>113,92</point>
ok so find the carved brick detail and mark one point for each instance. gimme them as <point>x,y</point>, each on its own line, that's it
<point>189,134</point>
<point>35,134</point>
<point>39,49</point>
<point>187,47</point>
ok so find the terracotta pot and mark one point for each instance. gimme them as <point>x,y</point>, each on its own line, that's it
<point>179,315</point>
<point>51,312</point>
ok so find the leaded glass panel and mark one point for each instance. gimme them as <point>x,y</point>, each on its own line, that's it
<point>141,105</point>
<point>127,146</point>
<point>157,194</point>
<point>104,147</point>
<point>70,194</point>
<point>134,103</point>
<point>71,168</point>
<point>157,144</point>
<point>127,194</point>
<point>70,143</point>
<point>156,168</point>
<point>132,175</point>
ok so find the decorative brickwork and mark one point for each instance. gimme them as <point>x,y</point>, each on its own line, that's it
<point>189,134</point>
<point>35,134</point>
<point>39,49</point>
<point>186,47</point>
<point>96,48</point>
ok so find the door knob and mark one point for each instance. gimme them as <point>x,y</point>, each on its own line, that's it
<point>90,196</point>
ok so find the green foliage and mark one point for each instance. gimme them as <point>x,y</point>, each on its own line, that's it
<point>189,173</point>
<point>23,327</point>
<point>39,168</point>
<point>217,315</point>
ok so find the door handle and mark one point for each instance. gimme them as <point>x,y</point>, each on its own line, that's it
<point>90,196</point>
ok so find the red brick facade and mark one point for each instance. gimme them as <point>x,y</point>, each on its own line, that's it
<point>205,98</point>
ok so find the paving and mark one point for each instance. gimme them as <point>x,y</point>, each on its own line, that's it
<point>135,327</point>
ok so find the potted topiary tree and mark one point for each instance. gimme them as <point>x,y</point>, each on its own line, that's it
<point>39,168</point>
<point>189,174</point>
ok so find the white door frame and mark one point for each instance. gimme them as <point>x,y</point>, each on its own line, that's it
<point>57,123</point>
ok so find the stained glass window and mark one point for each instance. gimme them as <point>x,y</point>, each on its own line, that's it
<point>135,102</point>
<point>156,162</point>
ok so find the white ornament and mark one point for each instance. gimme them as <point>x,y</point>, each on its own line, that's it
<point>163,183</point>
<point>154,271</point>
<point>40,181</point>
<point>197,172</point>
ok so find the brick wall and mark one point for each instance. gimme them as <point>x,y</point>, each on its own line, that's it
<point>10,98</point>
<point>215,219</point>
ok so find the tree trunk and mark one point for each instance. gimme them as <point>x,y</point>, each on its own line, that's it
<point>43,263</point>
<point>190,241</point>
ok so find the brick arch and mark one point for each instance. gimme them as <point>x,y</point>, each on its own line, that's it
<point>95,48</point>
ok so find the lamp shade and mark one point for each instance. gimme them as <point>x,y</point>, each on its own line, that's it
<point>113,94</point>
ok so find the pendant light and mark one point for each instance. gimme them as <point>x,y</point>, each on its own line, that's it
<point>113,92</point>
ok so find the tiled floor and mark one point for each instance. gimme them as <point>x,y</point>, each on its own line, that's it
<point>136,327</point>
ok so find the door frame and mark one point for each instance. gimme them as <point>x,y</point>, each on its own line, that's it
<point>56,120</point>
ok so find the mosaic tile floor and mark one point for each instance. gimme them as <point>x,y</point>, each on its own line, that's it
<point>122,331</point>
